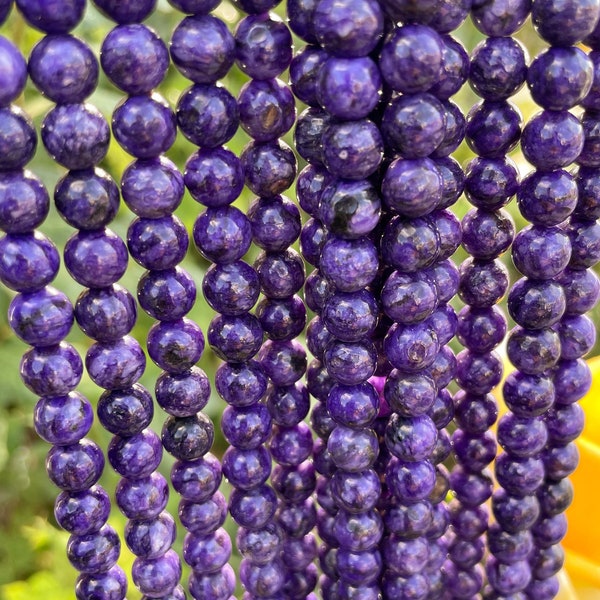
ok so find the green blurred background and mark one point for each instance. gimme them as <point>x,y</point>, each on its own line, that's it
<point>33,563</point>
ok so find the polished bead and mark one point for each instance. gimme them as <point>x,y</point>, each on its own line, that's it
<point>203,518</point>
<point>219,585</point>
<point>564,24</point>
<point>454,69</point>
<point>353,450</point>
<point>63,420</point>
<point>487,235</point>
<point>51,18</point>
<point>536,304</point>
<point>94,552</point>
<point>197,480</point>
<point>231,289</point>
<point>411,347</point>
<point>253,509</point>
<point>156,577</point>
<point>349,264</point>
<point>24,202</point>
<point>144,498</point>
<point>235,338</point>
<point>76,467</point>
<point>491,183</point>
<point>207,553</point>
<point>528,395</point>
<point>115,365</point>
<point>269,167</point>
<point>188,438</point>
<point>410,481</point>
<point>493,128</point>
<point>223,235</point>
<point>14,72</point>
<point>515,513</point>
<point>18,139</point>
<point>572,380</point>
<point>246,427</point>
<point>353,406</point>
<point>585,243</point>
<point>275,223</point>
<point>284,362</point>
<point>150,539</point>
<point>500,17</point>
<point>533,352</point>
<point>126,12</point>
<point>481,329</point>
<point>475,414</point>
<point>125,412</point>
<point>111,585</point>
<point>241,384</point>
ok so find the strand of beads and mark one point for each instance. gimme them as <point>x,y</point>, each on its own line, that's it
<point>42,317</point>
<point>135,60</point>
<point>559,78</point>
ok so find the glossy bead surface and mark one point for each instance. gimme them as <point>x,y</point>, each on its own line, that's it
<point>14,74</point>
<point>168,294</point>
<point>126,12</point>
<point>564,24</point>
<point>175,345</point>
<point>75,467</point>
<point>18,139</point>
<point>126,412</point>
<point>50,18</point>
<point>115,365</point>
<point>24,202</point>
<point>63,420</point>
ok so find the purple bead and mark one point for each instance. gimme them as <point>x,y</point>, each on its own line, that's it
<point>514,513</point>
<point>577,336</point>
<point>487,235</point>
<point>560,461</point>
<point>482,283</point>
<point>442,410</point>
<point>348,29</point>
<point>28,262</point>
<point>552,140</point>
<point>297,520</point>
<point>454,133</point>
<point>206,517</point>
<point>246,427</point>
<point>231,289</point>
<point>500,17</point>
<point>300,14</point>
<point>202,48</point>
<point>42,318</point>
<point>263,579</point>
<point>63,420</point>
<point>474,413</point>
<point>350,363</point>
<point>76,135</point>
<point>87,199</point>
<point>115,365</point>
<point>106,314</point>
<point>395,586</point>
<point>188,438</point>
<point>536,304</point>
<point>585,242</point>
<point>409,245</point>
<point>269,167</point>
<point>167,295</point>
<point>528,395</point>
<point>316,291</point>
<point>410,481</point>
<point>223,235</point>
<point>52,18</point>
<point>294,484</point>
<point>358,532</point>
<point>18,139</point>
<point>449,14</point>
<point>134,58</point>
<point>591,101</point>
<point>454,69</point>
<point>96,259</point>
<point>126,412</point>
<point>498,68</point>
<point>288,405</point>
<point>353,450</point>
<point>446,278</point>
<point>150,539</point>
<point>549,531</point>
<point>156,577</point>
<point>469,522</point>
<point>207,553</point>
<point>266,109</point>
<point>409,394</point>
<point>411,59</point>
<point>555,497</point>
<point>412,438</point>
<point>213,586</point>
<point>353,406</point>
<point>305,70</point>
<point>263,46</point>
<point>199,7</point>
<point>471,489</point>
<point>291,446</point>
<point>51,371</point>
<point>241,384</point>
<point>175,346</point>
<point>275,223</point>
<point>572,380</point>
<point>508,579</point>
<point>409,521</point>
<point>349,88</point>
<point>411,347</point>
<point>111,585</point>
<point>533,352</point>
<point>318,337</point>
<point>142,499</point>
<point>356,492</point>
<point>94,552</point>
<point>282,319</point>
<point>14,72</point>
<point>481,329</point>
<point>493,128</point>
<point>564,24</point>
<point>130,11</point>
<point>408,298</point>
<point>581,288</point>
<point>214,177</point>
<point>183,395</point>
<point>76,467</point>
<point>284,362</point>
<point>405,557</point>
<point>565,423</point>
<point>253,509</point>
<point>144,126</point>
<point>63,68</point>
<point>490,183</point>
<point>519,476</point>
<point>449,231</point>
<point>137,456</point>
<point>414,125</point>
<point>541,252</point>
<point>260,546</point>
<point>351,317</point>
<point>522,437</point>
<point>235,338</point>
<point>197,480</point>
<point>24,202</point>
<point>474,452</point>
<point>349,264</point>
<point>587,202</point>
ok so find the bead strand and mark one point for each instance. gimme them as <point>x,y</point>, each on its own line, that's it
<point>42,317</point>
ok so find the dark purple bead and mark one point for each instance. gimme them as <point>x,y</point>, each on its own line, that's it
<point>555,496</point>
<point>175,346</point>
<point>218,585</point>
<point>519,476</point>
<point>533,352</point>
<point>487,235</point>
<point>150,539</point>
<point>565,423</point>
<point>296,520</point>
<point>353,450</point>
<point>474,452</point>
<point>183,395</point>
<point>585,242</point>
<point>541,252</point>
<point>493,128</point>
<point>76,467</point>
<point>199,7</point>
<point>263,46</point>
<point>223,235</point>
<point>498,68</point>
<point>241,384</point>
<point>350,265</point>
<point>76,135</point>
<point>536,304</point>
<point>294,484</point>
<point>142,499</point>
<point>395,586</point>
<point>134,58</point>
<point>231,289</point>
<point>282,319</point>
<point>405,557</point>
<point>465,554</point>
<point>572,380</point>
<point>588,184</point>
<point>275,223</point>
<point>350,363</point>
<point>115,365</point>
<point>411,438</point>
<point>188,438</point>
<point>454,70</point>
<point>246,427</point>
<point>481,329</point>
<point>409,521</point>
<point>24,202</point>
<point>408,298</point>
<point>214,177</point>
<point>318,381</point>
<point>500,17</point>
<point>491,183</point>
<point>409,245</point>
<point>253,509</point>
<point>453,181</point>
<point>564,24</point>
<point>42,318</point>
<point>482,283</point>
<point>449,231</point>
<point>126,412</point>
<point>52,18</point>
<point>130,11</point>
<point>206,517</point>
<point>291,446</point>
<point>410,11</point>
<point>468,522</point>
<point>348,29</point>
<point>515,513</point>
<point>18,139</point>
<point>156,577</point>
<point>356,492</point>
<point>266,579</point>
<point>63,420</point>
<point>167,295</point>
<point>508,579</point>
<point>528,395</point>
<point>411,347</point>
<point>316,291</point>
<point>63,68</point>
<point>414,125</point>
<point>305,69</point>
<point>82,512</point>
<point>409,394</point>
<point>269,167</point>
<point>358,532</point>
<point>207,553</point>
<point>284,362</point>
<point>442,409</point>
<point>475,414</point>
<point>521,437</point>
<point>260,546</point>
<point>137,456</point>
<point>281,274</point>
<point>552,140</point>
<point>202,48</point>
<point>353,406</point>
<point>456,126</point>
<point>14,72</point>
<point>235,338</point>
<point>94,552</point>
<point>450,14</point>
<point>446,279</point>
<point>590,154</point>
<point>549,531</point>
<point>111,585</point>
<point>300,14</point>
<point>351,316</point>
<point>197,480</point>
<point>560,461</point>
<point>577,336</point>
<point>410,481</point>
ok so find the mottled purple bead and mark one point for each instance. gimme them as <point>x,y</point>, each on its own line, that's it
<point>449,14</point>
<point>183,395</point>
<point>409,245</point>
<point>231,289</point>
<point>564,24</point>
<point>588,183</point>
<point>76,135</point>
<point>519,476</point>
<point>125,412</point>
<point>207,553</point>
<point>445,277</point>
<point>275,223</point>
<point>493,128</point>
<point>564,423</point>
<point>487,235</point>
<point>409,394</point>
<point>263,46</point>
<point>482,283</point>
<point>414,125</point>
<point>282,319</point>
<point>410,438</point>
<point>408,298</point>
<point>536,304</point>
<point>454,133</point>
<point>514,513</point>
<point>582,289</point>
<point>284,362</point>
<point>585,242</point>
<point>63,420</point>
<point>405,557</point>
<point>500,17</point>
<point>572,380</point>
<point>577,336</point>
<point>143,498</point>
<point>197,480</point>
<point>175,346</point>
<point>454,69</point>
<point>214,177</point>
<point>560,461</point>
<point>111,585</point>
<point>168,294</point>
<point>490,183</point>
<point>42,318</point>
<point>199,7</point>
<point>14,72</point>
<point>52,18</point>
<point>300,14</point>
<point>24,202</point>
<point>254,508</point>
<point>349,264</point>
<point>291,446</point>
<point>353,450</point>
<point>96,259</point>
<point>520,436</point>
<point>150,539</point>
<point>130,11</point>
<point>350,28</point>
<point>350,316</point>
<point>528,395</point>
<point>63,68</point>
<point>134,58</point>
<point>350,363</point>
<point>411,347</point>
<point>533,352</point>
<point>261,546</point>
<point>269,167</point>
<point>358,532</point>
<point>115,365</point>
<point>508,579</point>
<point>94,552</point>
<point>353,406</point>
<point>410,481</point>
<point>541,252</point>
<point>205,517</point>
<point>246,427</point>
<point>202,48</point>
<point>235,338</point>
<point>76,467</point>
<point>213,585</point>
<point>475,414</point>
<point>156,577</point>
<point>267,579</point>
<point>305,69</point>
<point>137,456</point>
<point>18,139</point>
<point>241,384</point>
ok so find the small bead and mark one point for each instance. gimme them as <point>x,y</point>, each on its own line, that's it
<point>564,24</point>
<point>51,18</point>
<point>14,75</point>
<point>63,420</point>
<point>197,480</point>
<point>269,167</point>
<point>353,406</point>
<point>260,546</point>
<point>151,539</point>
<point>411,347</point>
<point>125,412</point>
<point>475,414</point>
<point>156,577</point>
<point>246,427</point>
<point>241,384</point>
<point>235,338</point>
<point>533,352</point>
<point>500,17</point>
<point>481,329</point>
<point>585,243</point>
<point>454,69</point>
<point>205,517</point>
<point>491,183</point>
<point>82,512</point>
<point>349,264</point>
<point>253,509</point>
<point>18,139</point>
<point>275,223</point>
<point>126,12</point>
<point>167,295</point>
<point>409,245</point>
<point>288,405</point>
<point>94,552</point>
<point>76,467</point>
<point>24,202</point>
<point>144,498</point>
<point>137,456</point>
<point>231,289</point>
<point>536,304</point>
<point>216,586</point>
<point>115,365</point>
<point>207,553</point>
<point>520,436</point>
<point>515,513</point>
<point>541,252</point>
<point>528,395</point>
<point>487,235</point>
<point>409,394</point>
<point>111,585</point>
<point>519,476</point>
<point>282,319</point>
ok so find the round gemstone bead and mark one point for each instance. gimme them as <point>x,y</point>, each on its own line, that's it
<point>350,265</point>
<point>407,298</point>
<point>275,223</point>
<point>126,12</point>
<point>115,365</point>
<point>76,135</point>
<point>216,585</point>
<point>288,405</point>
<point>410,481</point>
<point>183,395</point>
<point>409,245</point>
<point>241,384</point>
<point>126,412</point>
<point>269,167</point>
<point>585,242</point>
<point>411,439</point>
<point>520,436</point>
<point>411,347</point>
<point>168,294</point>
<point>75,467</point>
<point>137,456</point>
<point>246,427</point>
<point>350,316</point>
<point>175,345</point>
<point>94,552</point>
<point>207,553</point>
<point>51,18</point>
<point>142,499</point>
<point>150,539</point>
<point>202,48</point>
<point>536,304</point>
<point>350,363</point>
<point>533,352</point>
<point>493,128</point>
<point>353,406</point>
<point>156,577</point>
<point>528,395</point>
<point>63,420</point>
<point>14,75</point>
<point>282,319</point>
<point>564,24</point>
<point>63,68</point>
<point>500,17</point>
<point>454,69</point>
<point>192,7</point>
<point>231,289</point>
<point>482,283</point>
<point>205,517</point>
<point>235,338</point>
<point>572,380</point>
<point>197,480</point>
<point>24,202</point>
<point>487,235</point>
<point>253,508</point>
<point>490,183</point>
<point>305,70</point>
<point>18,139</point>
<point>284,362</point>
<point>541,252</point>
<point>263,46</point>
<point>82,512</point>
